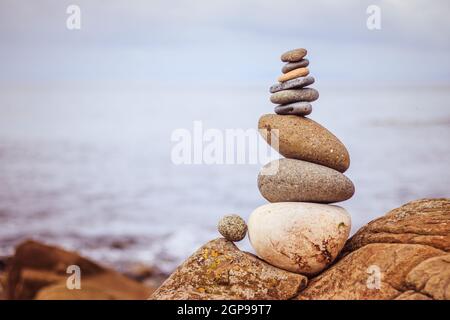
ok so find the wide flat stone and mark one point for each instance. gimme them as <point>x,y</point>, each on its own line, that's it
<point>296,108</point>
<point>292,84</point>
<point>295,65</point>
<point>294,95</point>
<point>301,181</point>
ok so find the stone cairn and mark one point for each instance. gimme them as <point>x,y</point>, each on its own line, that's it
<point>299,230</point>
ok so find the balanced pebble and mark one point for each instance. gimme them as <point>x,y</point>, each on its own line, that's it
<point>295,65</point>
<point>300,237</point>
<point>302,181</point>
<point>294,55</point>
<point>289,96</point>
<point>300,72</point>
<point>304,139</point>
<point>296,108</point>
<point>292,84</point>
<point>232,227</point>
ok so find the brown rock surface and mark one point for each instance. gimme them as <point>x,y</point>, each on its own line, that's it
<point>353,277</point>
<point>304,139</point>
<point>412,295</point>
<point>425,221</point>
<point>36,266</point>
<point>108,285</point>
<point>412,257</point>
<point>432,277</point>
<point>219,270</point>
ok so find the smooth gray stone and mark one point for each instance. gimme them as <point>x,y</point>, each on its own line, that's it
<point>296,95</point>
<point>296,108</point>
<point>295,65</point>
<point>301,181</point>
<point>292,84</point>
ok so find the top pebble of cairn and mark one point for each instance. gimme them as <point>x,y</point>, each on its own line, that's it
<point>294,55</point>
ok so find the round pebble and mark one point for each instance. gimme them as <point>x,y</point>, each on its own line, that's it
<point>292,84</point>
<point>297,95</point>
<point>294,55</point>
<point>295,65</point>
<point>232,227</point>
<point>300,72</point>
<point>300,237</point>
<point>296,108</point>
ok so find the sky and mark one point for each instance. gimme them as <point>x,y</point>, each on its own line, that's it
<point>223,42</point>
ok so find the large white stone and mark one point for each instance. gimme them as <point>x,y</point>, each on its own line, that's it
<point>300,237</point>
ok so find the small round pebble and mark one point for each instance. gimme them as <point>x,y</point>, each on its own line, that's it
<point>232,227</point>
<point>295,65</point>
<point>296,108</point>
<point>293,55</point>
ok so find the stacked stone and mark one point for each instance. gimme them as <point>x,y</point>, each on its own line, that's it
<point>291,93</point>
<point>299,230</point>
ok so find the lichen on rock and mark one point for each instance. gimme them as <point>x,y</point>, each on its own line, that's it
<point>219,270</point>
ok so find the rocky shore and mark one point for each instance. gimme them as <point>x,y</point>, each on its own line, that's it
<point>402,255</point>
<point>42,272</point>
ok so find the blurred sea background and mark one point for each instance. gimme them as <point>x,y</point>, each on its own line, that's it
<point>86,116</point>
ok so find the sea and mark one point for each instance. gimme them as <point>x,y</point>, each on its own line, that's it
<point>90,168</point>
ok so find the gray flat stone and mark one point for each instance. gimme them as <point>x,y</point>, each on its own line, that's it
<point>296,108</point>
<point>296,95</point>
<point>295,65</point>
<point>301,181</point>
<point>292,84</point>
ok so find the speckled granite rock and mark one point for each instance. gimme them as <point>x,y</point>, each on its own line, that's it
<point>232,227</point>
<point>296,108</point>
<point>292,84</point>
<point>412,257</point>
<point>300,72</point>
<point>294,95</point>
<point>304,139</point>
<point>299,236</point>
<point>219,270</point>
<point>301,181</point>
<point>294,55</point>
<point>295,65</point>
<point>424,221</point>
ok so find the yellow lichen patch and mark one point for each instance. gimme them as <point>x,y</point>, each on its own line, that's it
<point>202,290</point>
<point>214,253</point>
<point>273,283</point>
<point>205,253</point>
